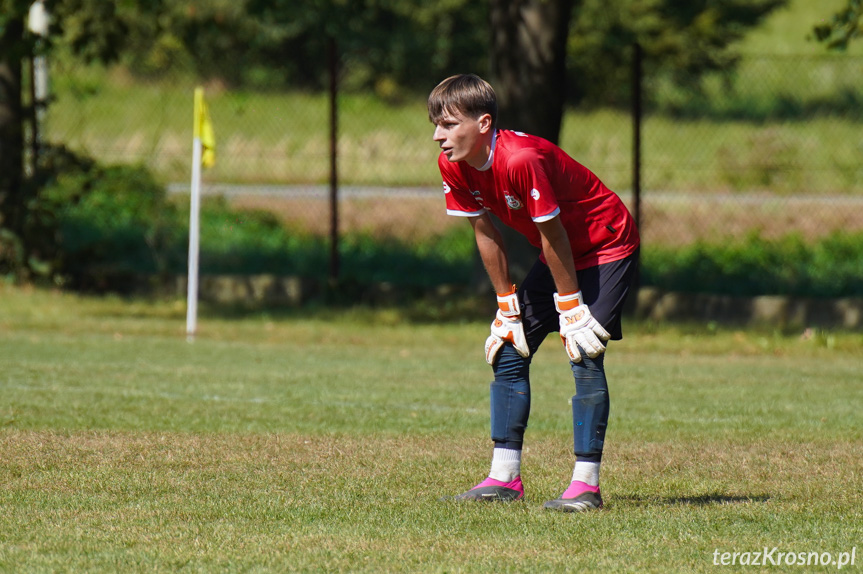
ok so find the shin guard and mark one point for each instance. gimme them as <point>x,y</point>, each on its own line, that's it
<point>510,398</point>
<point>590,407</point>
<point>510,408</point>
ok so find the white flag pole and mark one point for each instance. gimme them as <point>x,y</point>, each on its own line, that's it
<point>194,232</point>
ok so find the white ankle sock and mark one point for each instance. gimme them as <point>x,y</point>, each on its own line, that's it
<point>505,464</point>
<point>587,472</point>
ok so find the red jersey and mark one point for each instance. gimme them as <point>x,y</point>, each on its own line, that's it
<point>531,180</point>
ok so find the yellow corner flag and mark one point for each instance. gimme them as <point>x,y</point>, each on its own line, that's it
<point>204,129</point>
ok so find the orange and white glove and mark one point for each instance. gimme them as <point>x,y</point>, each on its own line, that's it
<point>578,328</point>
<point>506,328</point>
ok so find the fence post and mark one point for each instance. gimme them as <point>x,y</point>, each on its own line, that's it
<point>334,172</point>
<point>38,21</point>
<point>636,143</point>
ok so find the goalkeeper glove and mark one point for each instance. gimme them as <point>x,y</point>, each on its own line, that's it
<point>578,328</point>
<point>506,328</point>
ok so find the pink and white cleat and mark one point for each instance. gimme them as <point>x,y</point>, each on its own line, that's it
<point>579,497</point>
<point>494,490</point>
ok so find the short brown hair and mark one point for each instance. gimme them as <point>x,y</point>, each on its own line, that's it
<point>467,94</point>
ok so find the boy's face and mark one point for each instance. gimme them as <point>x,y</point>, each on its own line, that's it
<point>464,139</point>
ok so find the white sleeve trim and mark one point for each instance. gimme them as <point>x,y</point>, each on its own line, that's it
<point>465,213</point>
<point>543,218</point>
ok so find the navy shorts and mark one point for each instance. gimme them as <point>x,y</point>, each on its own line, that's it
<point>603,287</point>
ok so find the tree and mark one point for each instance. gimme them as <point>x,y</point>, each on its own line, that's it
<point>844,26</point>
<point>548,53</point>
<point>389,46</point>
<point>681,40</point>
<point>14,45</point>
<point>528,70</point>
<point>528,63</point>
<point>94,31</point>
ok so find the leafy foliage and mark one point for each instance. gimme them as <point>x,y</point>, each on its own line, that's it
<point>251,242</point>
<point>247,242</point>
<point>15,39</point>
<point>681,41</point>
<point>844,26</point>
<point>398,44</point>
<point>107,228</point>
<point>281,43</point>
<point>100,223</point>
<point>92,28</point>
<point>830,267</point>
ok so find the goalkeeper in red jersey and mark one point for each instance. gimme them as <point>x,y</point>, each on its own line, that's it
<point>589,253</point>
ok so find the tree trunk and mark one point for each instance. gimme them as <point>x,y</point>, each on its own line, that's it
<point>528,66</point>
<point>11,131</point>
<point>528,63</point>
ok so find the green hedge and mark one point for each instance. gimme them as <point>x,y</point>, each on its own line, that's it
<point>104,228</point>
<point>97,227</point>
<point>253,242</point>
<point>828,267</point>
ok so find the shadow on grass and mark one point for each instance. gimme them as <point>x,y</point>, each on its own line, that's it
<point>697,500</point>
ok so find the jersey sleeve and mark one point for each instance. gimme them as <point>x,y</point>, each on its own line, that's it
<point>526,173</point>
<point>459,199</point>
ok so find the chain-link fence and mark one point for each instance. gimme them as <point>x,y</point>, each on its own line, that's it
<point>774,147</point>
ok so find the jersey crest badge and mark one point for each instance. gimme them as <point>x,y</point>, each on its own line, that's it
<point>512,201</point>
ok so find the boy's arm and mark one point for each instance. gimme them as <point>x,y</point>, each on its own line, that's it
<point>492,251</point>
<point>579,331</point>
<point>558,254</point>
<point>507,326</point>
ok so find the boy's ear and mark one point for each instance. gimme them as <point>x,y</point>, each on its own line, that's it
<point>484,123</point>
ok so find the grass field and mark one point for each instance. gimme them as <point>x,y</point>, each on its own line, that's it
<point>322,442</point>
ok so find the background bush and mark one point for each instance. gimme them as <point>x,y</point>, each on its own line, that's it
<point>115,228</point>
<point>103,226</point>
<point>828,267</point>
<point>256,242</point>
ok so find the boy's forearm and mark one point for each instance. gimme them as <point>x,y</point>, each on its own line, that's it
<point>558,255</point>
<point>489,242</point>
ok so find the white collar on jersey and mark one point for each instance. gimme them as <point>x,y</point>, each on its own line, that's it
<point>488,163</point>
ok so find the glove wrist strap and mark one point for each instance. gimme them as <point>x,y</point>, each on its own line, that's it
<point>508,303</point>
<point>568,301</point>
